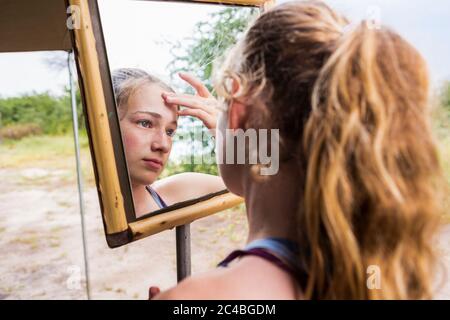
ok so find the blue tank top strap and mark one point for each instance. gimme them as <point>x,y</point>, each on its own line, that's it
<point>279,251</point>
<point>285,248</point>
<point>159,201</point>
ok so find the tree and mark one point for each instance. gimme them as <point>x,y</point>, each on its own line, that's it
<point>51,114</point>
<point>210,40</point>
<point>57,62</point>
<point>196,55</point>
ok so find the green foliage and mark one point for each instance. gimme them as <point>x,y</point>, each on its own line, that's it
<point>174,168</point>
<point>442,126</point>
<point>53,115</point>
<point>445,96</point>
<point>210,40</point>
<point>196,55</point>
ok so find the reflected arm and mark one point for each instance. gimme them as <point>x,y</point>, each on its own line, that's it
<point>187,185</point>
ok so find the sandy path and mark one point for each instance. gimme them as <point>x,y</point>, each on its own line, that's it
<point>41,247</point>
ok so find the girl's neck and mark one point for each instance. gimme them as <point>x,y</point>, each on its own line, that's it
<point>141,199</point>
<point>272,206</point>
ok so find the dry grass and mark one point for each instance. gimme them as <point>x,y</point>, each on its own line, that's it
<point>45,151</point>
<point>19,131</point>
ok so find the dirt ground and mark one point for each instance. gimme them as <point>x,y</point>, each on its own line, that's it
<point>41,246</point>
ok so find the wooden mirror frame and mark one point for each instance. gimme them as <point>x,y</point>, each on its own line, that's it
<point>105,141</point>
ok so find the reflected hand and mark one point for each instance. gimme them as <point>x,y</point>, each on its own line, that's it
<point>202,105</point>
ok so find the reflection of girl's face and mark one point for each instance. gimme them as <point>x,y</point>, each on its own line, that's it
<point>147,129</point>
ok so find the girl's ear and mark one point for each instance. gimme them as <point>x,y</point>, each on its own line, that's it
<point>237,115</point>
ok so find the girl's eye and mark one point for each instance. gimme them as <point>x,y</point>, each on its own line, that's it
<point>170,132</point>
<point>145,123</point>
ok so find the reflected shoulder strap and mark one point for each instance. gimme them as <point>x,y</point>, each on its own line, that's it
<point>159,201</point>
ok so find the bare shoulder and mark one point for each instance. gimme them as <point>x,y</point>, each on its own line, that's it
<point>250,278</point>
<point>188,185</point>
<point>208,286</point>
<point>191,179</point>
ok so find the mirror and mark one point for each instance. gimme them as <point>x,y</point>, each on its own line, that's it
<point>168,145</point>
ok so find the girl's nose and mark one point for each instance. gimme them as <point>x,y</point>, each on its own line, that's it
<point>160,142</point>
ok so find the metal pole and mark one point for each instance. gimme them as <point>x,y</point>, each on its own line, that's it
<point>183,238</point>
<point>79,174</point>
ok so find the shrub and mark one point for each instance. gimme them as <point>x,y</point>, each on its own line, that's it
<point>18,131</point>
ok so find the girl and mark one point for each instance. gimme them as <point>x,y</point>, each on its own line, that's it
<point>148,113</point>
<point>353,210</point>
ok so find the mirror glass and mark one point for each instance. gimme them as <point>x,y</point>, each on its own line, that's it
<point>160,57</point>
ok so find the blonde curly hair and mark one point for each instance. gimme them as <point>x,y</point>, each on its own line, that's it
<point>351,104</point>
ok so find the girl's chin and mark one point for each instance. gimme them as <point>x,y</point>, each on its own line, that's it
<point>145,179</point>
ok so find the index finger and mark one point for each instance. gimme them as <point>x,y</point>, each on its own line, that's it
<point>197,84</point>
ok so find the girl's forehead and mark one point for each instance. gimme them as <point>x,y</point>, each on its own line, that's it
<point>148,99</point>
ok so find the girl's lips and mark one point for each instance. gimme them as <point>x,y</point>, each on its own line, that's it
<point>153,164</point>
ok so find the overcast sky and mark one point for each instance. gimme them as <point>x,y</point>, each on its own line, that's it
<point>136,30</point>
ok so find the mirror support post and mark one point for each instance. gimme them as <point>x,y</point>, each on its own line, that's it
<point>183,239</point>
